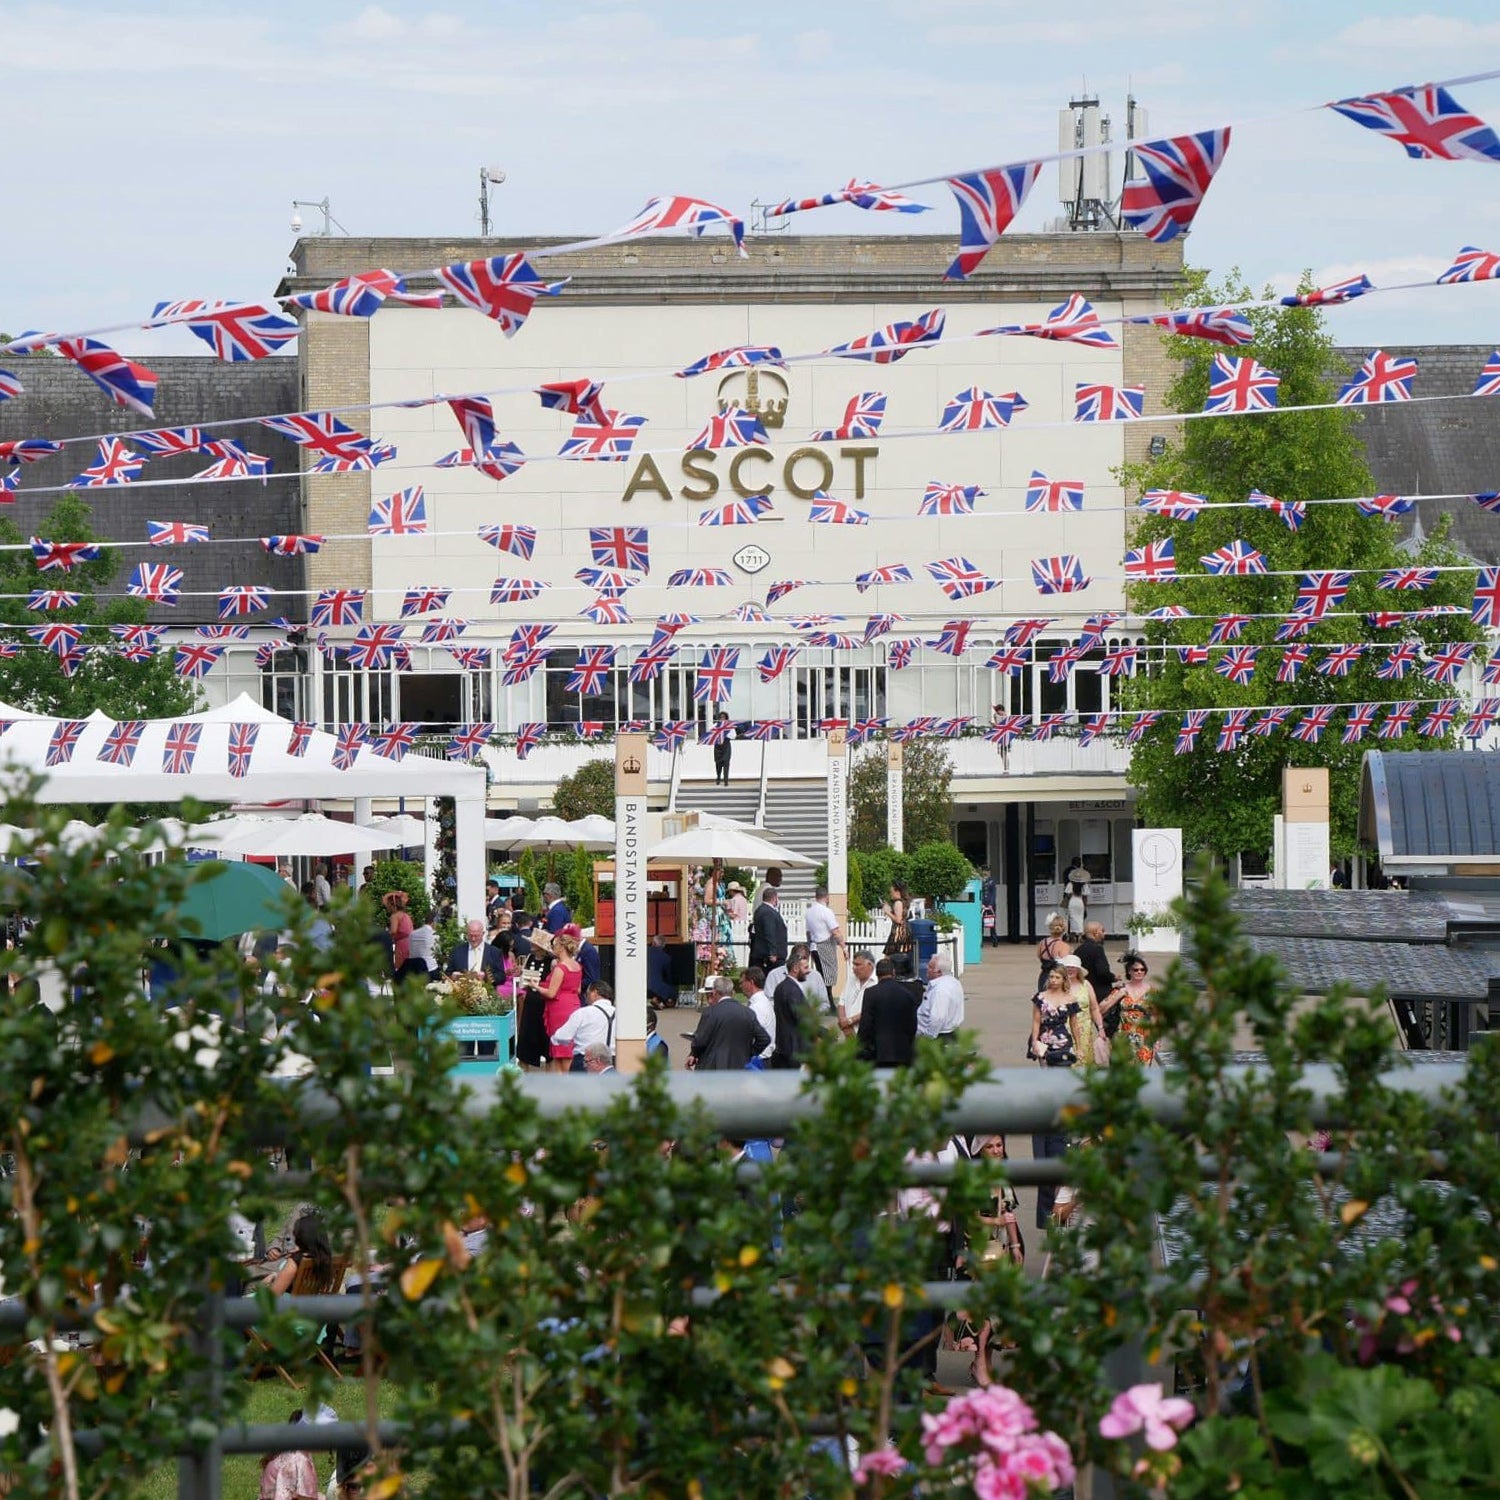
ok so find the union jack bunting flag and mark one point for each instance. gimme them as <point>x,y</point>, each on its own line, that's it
<point>224,632</point>
<point>174,533</point>
<point>68,662</point>
<point>1108,403</point>
<point>238,466</point>
<point>159,582</point>
<point>1440,719</point>
<point>857,191</point>
<point>373,647</point>
<point>1193,656</point>
<point>1240,385</point>
<point>882,624</point>
<point>898,655</point>
<point>744,512</point>
<point>471,658</point>
<point>137,635</point>
<point>265,654</point>
<point>527,638</point>
<point>528,737</point>
<point>959,578</point>
<point>1270,721</point>
<point>1143,722</point>
<point>1120,661</point>
<point>164,442</point>
<point>64,741</point>
<point>292,545</point>
<point>515,590</point>
<point>739,357</point>
<point>115,464</point>
<point>1482,717</point>
<point>1384,505</point>
<point>1192,727</point>
<point>1236,557</point>
<point>1061,663</point>
<point>476,415</point>
<point>575,397</point>
<point>987,204</point>
<point>814,622</point>
<point>1407,578</point>
<point>1488,383</point>
<point>469,739</point>
<point>861,731</point>
<point>895,341</point>
<point>524,665</point>
<point>768,729</point>
<point>1227,628</point>
<point>665,212</point>
<point>700,578</point>
<point>1357,725</point>
<point>862,418</point>
<point>235,331</point>
<point>322,433</point>
<point>122,741</point>
<point>648,666</point>
<point>1153,562</point>
<point>1326,296</point>
<point>1385,619</point>
<point>1400,660</point>
<point>1340,659</point>
<point>1471,264</point>
<point>825,511</point>
<point>180,748</point>
<point>1317,593</point>
<point>1168,612</point>
<point>952,639</point>
<point>1237,664</point>
<point>1398,719</point>
<point>422,600</point>
<point>1073,321</point>
<point>299,738</point>
<point>1310,728</point>
<point>594,665</point>
<point>733,427</point>
<point>750,613</point>
<point>603,437</point>
<point>673,735</point>
<point>338,607</point>
<point>1382,377</point>
<point>913,729</point>
<point>126,384</point>
<point>1485,609</point>
<point>9,483</point>
<point>1215,325</point>
<point>196,658</point>
<point>1059,575</point>
<point>1043,494</point>
<point>401,514</point>
<point>358,463</point>
<point>504,287</point>
<point>27,450</point>
<point>610,582</point>
<point>775,661</point>
<point>242,738</point>
<point>1292,513</point>
<point>1005,729</point>
<point>348,741</point>
<point>1024,632</point>
<point>1233,728</point>
<point>1293,659</point>
<point>64,555</point>
<point>499,461</point>
<point>716,674</point>
<point>886,573</point>
<point>718,732</point>
<point>974,410</point>
<point>1178,171</point>
<point>1092,727</point>
<point>10,385</point>
<point>363,295</point>
<point>951,499</point>
<point>1428,123</point>
<point>1048,725</point>
<point>626,547</point>
<point>1448,661</point>
<point>393,741</point>
<point>780,590</point>
<point>1092,633</point>
<point>519,541</point>
<point>606,610</point>
<point>669,624</point>
<point>455,460</point>
<point>52,599</point>
<point>1176,505</point>
<point>1294,627</point>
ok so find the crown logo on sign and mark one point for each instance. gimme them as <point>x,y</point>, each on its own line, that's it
<point>631,766</point>
<point>743,389</point>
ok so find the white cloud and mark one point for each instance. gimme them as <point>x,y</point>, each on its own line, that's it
<point>1422,33</point>
<point>375,24</point>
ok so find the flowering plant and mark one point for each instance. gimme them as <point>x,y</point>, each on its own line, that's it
<point>473,994</point>
<point>991,1438</point>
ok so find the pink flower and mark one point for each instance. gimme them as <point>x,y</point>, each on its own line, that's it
<point>885,1461</point>
<point>1143,1407</point>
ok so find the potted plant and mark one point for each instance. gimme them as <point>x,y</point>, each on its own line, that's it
<point>485,1028</point>
<point>1155,931</point>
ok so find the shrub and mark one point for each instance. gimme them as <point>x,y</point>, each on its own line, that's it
<point>939,872</point>
<point>590,789</point>
<point>399,875</point>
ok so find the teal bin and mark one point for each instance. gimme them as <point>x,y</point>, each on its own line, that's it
<point>969,910</point>
<point>486,1044</point>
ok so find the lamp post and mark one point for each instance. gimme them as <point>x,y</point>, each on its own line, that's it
<point>324,207</point>
<point>488,177</point>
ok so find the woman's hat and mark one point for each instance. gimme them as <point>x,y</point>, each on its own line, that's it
<point>572,930</point>
<point>1070,961</point>
<point>394,898</point>
<point>734,885</point>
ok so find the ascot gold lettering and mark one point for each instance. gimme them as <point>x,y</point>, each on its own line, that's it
<point>737,463</point>
<point>698,464</point>
<point>825,468</point>
<point>702,482</point>
<point>646,476</point>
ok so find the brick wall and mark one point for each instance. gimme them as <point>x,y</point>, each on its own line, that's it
<point>335,373</point>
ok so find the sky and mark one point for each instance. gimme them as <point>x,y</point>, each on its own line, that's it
<point>156,148</point>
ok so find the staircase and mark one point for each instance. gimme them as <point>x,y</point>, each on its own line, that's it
<point>797,811</point>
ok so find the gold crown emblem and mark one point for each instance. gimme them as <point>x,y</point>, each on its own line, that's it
<point>761,392</point>
<point>631,766</point>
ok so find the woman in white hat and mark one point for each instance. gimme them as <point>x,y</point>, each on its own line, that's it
<point>1092,1045</point>
<point>736,903</point>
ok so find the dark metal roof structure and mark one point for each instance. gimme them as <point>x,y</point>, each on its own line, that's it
<point>1356,916</point>
<point>1425,811</point>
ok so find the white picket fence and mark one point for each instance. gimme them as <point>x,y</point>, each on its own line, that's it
<point>871,934</point>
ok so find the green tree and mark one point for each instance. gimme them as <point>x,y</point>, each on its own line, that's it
<point>940,872</point>
<point>1225,802</point>
<point>590,789</point>
<point>926,796</point>
<point>398,875</point>
<point>34,679</point>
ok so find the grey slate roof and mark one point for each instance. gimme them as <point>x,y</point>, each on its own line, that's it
<point>1430,804</point>
<point>1360,916</point>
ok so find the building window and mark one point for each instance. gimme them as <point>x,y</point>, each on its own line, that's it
<point>283,684</point>
<point>439,700</point>
<point>357,698</point>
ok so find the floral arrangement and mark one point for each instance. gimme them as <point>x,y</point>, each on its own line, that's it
<point>473,994</point>
<point>991,1438</point>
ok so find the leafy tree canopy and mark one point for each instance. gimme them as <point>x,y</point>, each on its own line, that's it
<point>590,789</point>
<point>1226,802</point>
<point>926,796</point>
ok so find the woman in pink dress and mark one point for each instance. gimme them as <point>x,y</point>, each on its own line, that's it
<point>560,993</point>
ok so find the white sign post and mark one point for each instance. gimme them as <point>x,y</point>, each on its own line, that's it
<point>1156,854</point>
<point>838,837</point>
<point>631,937</point>
<point>895,791</point>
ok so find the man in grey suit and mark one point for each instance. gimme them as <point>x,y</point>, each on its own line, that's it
<point>768,944</point>
<point>728,1034</point>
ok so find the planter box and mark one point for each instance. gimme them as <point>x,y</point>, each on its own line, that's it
<point>485,1044</point>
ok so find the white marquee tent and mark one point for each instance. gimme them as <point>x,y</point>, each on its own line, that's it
<point>273,774</point>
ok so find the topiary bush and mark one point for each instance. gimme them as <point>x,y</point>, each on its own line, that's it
<point>939,872</point>
<point>398,875</point>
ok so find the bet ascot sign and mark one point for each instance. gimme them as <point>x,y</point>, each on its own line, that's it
<point>754,471</point>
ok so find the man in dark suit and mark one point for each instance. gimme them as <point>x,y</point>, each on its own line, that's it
<point>768,933</point>
<point>728,1034</point>
<point>476,956</point>
<point>794,1026</point>
<point>556,916</point>
<point>888,1020</point>
<point>1096,969</point>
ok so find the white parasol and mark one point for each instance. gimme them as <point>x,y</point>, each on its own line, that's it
<point>310,834</point>
<point>411,831</point>
<point>729,846</point>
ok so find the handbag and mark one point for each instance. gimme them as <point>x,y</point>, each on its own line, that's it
<point>1101,1052</point>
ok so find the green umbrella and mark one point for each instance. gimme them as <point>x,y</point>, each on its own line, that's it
<point>235,898</point>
